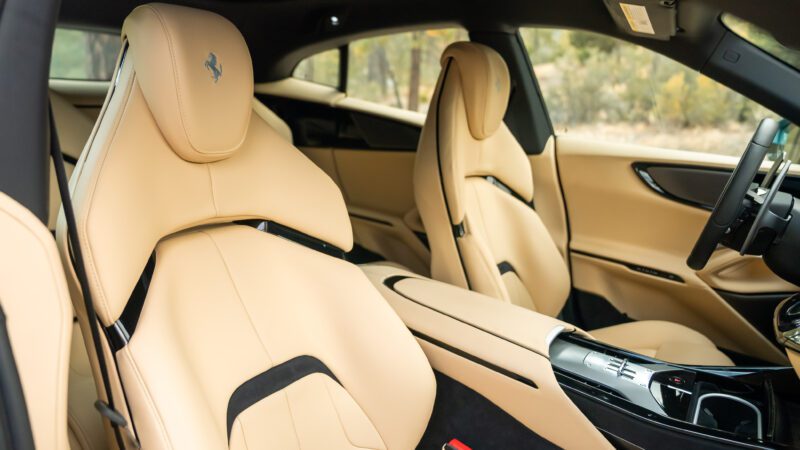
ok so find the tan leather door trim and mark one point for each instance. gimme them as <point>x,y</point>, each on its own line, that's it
<point>613,214</point>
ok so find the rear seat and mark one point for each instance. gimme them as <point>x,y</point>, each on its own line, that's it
<point>85,429</point>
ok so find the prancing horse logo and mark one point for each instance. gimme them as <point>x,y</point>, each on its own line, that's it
<point>211,65</point>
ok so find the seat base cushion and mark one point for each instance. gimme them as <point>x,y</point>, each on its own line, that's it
<point>666,341</point>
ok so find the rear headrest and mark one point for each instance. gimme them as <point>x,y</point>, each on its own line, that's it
<point>485,82</point>
<point>196,75</point>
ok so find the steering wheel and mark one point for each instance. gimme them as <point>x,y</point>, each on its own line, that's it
<point>730,204</point>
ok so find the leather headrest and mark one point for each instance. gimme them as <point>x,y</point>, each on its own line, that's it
<point>485,82</point>
<point>196,75</point>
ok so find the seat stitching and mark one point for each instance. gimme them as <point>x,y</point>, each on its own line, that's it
<point>82,225</point>
<point>341,422</point>
<point>495,282</point>
<point>291,416</point>
<point>238,295</point>
<point>244,436</point>
<point>78,431</point>
<point>126,352</point>
<point>213,192</point>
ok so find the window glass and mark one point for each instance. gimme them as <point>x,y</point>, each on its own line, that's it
<point>762,39</point>
<point>322,68</point>
<point>399,70</point>
<point>84,55</point>
<point>606,89</point>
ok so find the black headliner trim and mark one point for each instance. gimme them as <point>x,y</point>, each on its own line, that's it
<point>273,380</point>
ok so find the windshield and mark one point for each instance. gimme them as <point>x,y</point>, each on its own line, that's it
<point>762,39</point>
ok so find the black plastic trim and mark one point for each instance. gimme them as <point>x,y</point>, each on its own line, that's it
<point>504,267</point>
<point>637,416</point>
<point>758,309</point>
<point>273,380</point>
<point>344,64</point>
<point>303,239</point>
<point>642,427</point>
<point>635,267</point>
<point>504,187</point>
<point>473,358</point>
<point>121,331</point>
<point>708,189</point>
<point>324,126</point>
<point>69,159</point>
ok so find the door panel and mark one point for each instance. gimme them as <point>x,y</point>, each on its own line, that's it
<point>695,185</point>
<point>620,228</point>
<point>85,95</point>
<point>378,189</point>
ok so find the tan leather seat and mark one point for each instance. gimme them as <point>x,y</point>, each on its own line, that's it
<point>85,429</point>
<point>245,338</point>
<point>35,301</point>
<point>473,188</point>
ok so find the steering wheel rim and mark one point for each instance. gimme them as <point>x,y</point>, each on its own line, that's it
<point>730,202</point>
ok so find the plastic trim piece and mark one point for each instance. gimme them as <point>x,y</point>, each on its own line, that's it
<point>474,359</point>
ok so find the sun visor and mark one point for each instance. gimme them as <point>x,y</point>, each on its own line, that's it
<point>654,19</point>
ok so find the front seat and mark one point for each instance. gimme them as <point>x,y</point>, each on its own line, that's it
<point>35,306</point>
<point>245,336</point>
<point>474,188</point>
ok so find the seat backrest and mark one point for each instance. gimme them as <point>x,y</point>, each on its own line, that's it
<point>474,189</point>
<point>35,301</point>
<point>243,337</point>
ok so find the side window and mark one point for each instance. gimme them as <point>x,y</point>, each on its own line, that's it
<point>322,68</point>
<point>401,69</point>
<point>398,70</point>
<point>84,55</point>
<point>606,89</point>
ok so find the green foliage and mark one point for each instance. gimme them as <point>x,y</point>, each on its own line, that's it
<point>589,78</point>
<point>381,69</point>
<point>322,68</point>
<point>83,55</point>
<point>594,85</point>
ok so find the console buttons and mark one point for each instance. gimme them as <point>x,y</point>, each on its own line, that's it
<point>620,368</point>
<point>677,381</point>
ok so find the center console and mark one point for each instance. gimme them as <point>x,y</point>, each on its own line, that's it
<point>576,392</point>
<point>632,397</point>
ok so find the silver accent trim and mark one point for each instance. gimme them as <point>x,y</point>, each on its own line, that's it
<point>696,417</point>
<point>552,335</point>
<point>121,63</point>
<point>122,332</point>
<point>631,380</point>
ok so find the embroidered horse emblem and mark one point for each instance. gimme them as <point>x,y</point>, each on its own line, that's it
<point>211,65</point>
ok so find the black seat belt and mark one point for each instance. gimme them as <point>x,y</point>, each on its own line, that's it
<point>106,409</point>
